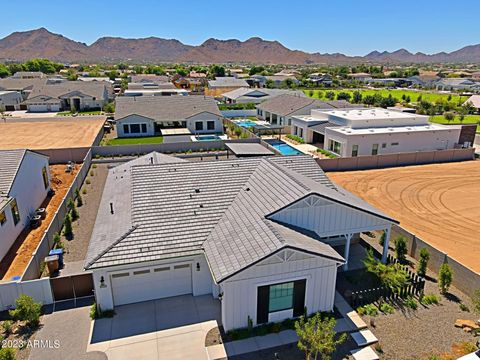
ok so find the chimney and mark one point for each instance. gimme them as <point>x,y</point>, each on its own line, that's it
<point>111,208</point>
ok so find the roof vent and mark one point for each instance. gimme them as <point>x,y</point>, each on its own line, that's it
<point>151,160</point>
<point>201,205</point>
<point>247,189</point>
<point>197,190</point>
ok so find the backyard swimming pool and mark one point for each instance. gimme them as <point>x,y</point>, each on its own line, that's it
<point>209,137</point>
<point>246,123</point>
<point>284,148</point>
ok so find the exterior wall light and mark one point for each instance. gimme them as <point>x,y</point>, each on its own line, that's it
<point>198,266</point>
<point>102,282</point>
<point>220,296</point>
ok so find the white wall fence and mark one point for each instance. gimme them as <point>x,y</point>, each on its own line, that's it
<point>39,289</point>
<point>393,160</point>
<point>32,270</point>
<point>238,113</point>
<point>464,278</point>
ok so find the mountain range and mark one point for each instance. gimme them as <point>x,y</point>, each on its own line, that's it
<point>41,43</point>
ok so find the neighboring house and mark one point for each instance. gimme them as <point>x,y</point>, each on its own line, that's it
<point>24,185</point>
<point>365,77</point>
<point>280,109</point>
<point>248,95</point>
<point>90,79</point>
<point>475,76</point>
<point>148,115</point>
<point>224,84</point>
<point>23,86</point>
<point>474,101</point>
<point>374,131</point>
<point>449,84</point>
<point>149,78</point>
<point>392,82</point>
<point>276,81</point>
<point>10,100</point>
<point>147,85</point>
<point>29,75</point>
<point>257,233</point>
<point>426,81</point>
<point>321,79</point>
<point>70,95</point>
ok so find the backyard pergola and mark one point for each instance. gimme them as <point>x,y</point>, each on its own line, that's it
<point>265,129</point>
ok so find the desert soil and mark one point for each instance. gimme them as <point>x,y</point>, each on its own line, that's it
<point>439,203</point>
<point>17,258</point>
<point>49,134</point>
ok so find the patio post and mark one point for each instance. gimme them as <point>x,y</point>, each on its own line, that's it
<point>385,244</point>
<point>348,237</point>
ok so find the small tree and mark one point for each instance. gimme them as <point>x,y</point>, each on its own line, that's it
<point>317,335</point>
<point>423,262</point>
<point>67,226</point>
<point>79,198</point>
<point>449,116</point>
<point>391,275</point>
<point>445,278</point>
<point>27,310</point>
<point>382,239</point>
<point>401,248</point>
<point>73,210</point>
<point>7,354</point>
<point>476,301</point>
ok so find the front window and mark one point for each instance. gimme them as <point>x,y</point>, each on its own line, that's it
<point>280,297</point>
<point>375,149</point>
<point>134,128</point>
<point>45,177</point>
<point>15,212</point>
<point>199,125</point>
<point>334,146</point>
<point>144,128</point>
<point>3,218</point>
<point>210,125</point>
<point>354,150</point>
<point>126,129</point>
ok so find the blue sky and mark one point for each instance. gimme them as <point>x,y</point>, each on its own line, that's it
<point>347,26</point>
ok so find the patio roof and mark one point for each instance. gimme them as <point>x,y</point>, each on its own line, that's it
<point>248,149</point>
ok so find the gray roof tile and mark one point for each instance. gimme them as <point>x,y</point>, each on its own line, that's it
<point>10,161</point>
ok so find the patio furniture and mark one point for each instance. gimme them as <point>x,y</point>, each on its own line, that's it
<point>42,212</point>
<point>35,221</point>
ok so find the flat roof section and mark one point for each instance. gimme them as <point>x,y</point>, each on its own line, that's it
<point>395,129</point>
<point>368,114</point>
<point>176,131</point>
<point>248,149</point>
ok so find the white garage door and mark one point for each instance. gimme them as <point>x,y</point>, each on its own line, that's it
<point>37,108</point>
<point>151,283</point>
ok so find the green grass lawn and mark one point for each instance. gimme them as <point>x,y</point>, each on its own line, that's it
<point>469,119</point>
<point>136,140</point>
<point>69,113</point>
<point>396,93</point>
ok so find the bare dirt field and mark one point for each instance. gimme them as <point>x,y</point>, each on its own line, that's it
<point>440,203</point>
<point>17,258</point>
<point>49,134</point>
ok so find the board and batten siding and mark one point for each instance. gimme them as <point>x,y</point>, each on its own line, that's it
<point>328,218</point>
<point>239,299</point>
<point>204,117</point>
<point>135,119</point>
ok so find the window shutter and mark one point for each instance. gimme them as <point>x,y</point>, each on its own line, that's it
<point>299,297</point>
<point>262,304</point>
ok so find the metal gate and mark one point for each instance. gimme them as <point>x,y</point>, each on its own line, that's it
<point>72,287</point>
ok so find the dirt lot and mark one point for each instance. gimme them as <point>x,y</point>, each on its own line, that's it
<point>49,134</point>
<point>17,258</point>
<point>439,203</point>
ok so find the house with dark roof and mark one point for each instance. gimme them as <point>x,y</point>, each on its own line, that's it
<point>280,109</point>
<point>258,234</point>
<point>256,95</point>
<point>223,84</point>
<point>68,95</point>
<point>24,185</point>
<point>150,115</point>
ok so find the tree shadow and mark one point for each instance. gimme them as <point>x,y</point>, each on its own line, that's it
<point>451,297</point>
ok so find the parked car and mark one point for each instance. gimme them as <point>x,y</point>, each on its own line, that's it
<point>472,356</point>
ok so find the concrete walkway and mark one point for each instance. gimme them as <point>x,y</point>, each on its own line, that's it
<point>171,328</point>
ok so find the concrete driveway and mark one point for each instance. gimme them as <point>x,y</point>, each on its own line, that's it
<point>172,328</point>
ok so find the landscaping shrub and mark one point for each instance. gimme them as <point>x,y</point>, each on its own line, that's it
<point>92,173</point>
<point>84,191</point>
<point>410,303</point>
<point>7,327</point>
<point>387,308</point>
<point>67,226</point>
<point>87,181</point>
<point>429,299</point>
<point>445,278</point>
<point>276,327</point>
<point>79,198</point>
<point>94,166</point>
<point>296,138</point>
<point>97,313</point>
<point>476,301</point>
<point>238,132</point>
<point>423,262</point>
<point>7,354</point>
<point>391,275</point>
<point>327,153</point>
<point>382,239</point>
<point>26,309</point>
<point>73,210</point>
<point>401,248</point>
<point>464,307</point>
<point>369,310</point>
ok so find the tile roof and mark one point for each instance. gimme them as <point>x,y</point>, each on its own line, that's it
<point>10,161</point>
<point>227,82</point>
<point>221,208</point>
<point>165,108</point>
<point>94,89</point>
<point>287,104</point>
<point>239,93</point>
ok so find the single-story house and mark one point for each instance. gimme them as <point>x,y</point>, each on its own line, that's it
<point>280,109</point>
<point>149,78</point>
<point>29,75</point>
<point>23,86</point>
<point>276,80</point>
<point>148,115</point>
<point>256,96</point>
<point>223,84</point>
<point>69,95</point>
<point>24,185</point>
<point>373,131</point>
<point>364,77</point>
<point>321,79</point>
<point>474,101</point>
<point>256,233</point>
<point>457,84</point>
<point>10,100</point>
<point>426,81</point>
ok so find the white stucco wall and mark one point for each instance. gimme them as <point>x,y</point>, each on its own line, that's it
<point>29,191</point>
<point>135,119</point>
<point>204,118</point>
<point>239,299</point>
<point>440,139</point>
<point>201,280</point>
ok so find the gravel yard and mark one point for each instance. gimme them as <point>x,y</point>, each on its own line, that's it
<point>76,248</point>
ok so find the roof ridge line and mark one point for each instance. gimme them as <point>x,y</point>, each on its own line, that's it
<point>96,258</point>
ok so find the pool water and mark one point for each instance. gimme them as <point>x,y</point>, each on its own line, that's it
<point>208,137</point>
<point>246,123</point>
<point>284,148</point>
